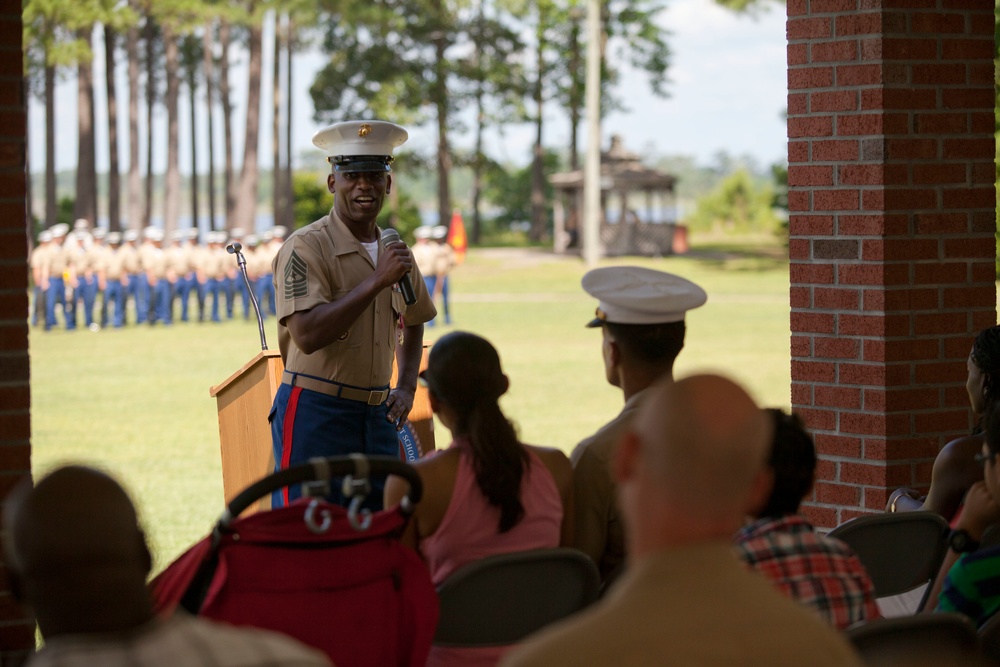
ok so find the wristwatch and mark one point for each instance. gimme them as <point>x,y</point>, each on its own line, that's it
<point>961,542</point>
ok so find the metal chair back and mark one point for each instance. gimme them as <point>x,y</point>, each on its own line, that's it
<point>502,599</point>
<point>942,639</point>
<point>900,550</point>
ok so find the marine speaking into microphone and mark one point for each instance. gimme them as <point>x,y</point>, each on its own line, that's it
<point>341,322</point>
<point>390,236</point>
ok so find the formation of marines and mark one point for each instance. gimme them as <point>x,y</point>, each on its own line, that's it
<point>97,278</point>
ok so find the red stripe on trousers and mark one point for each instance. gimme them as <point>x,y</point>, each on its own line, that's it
<point>288,428</point>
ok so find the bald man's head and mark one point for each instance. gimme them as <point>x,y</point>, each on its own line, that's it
<point>699,447</point>
<point>74,543</point>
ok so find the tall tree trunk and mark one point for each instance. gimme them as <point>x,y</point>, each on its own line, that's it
<point>86,167</point>
<point>51,197</point>
<point>114,177</point>
<point>172,186</point>
<point>537,163</point>
<point>246,197</point>
<point>277,189</point>
<point>29,204</point>
<point>193,93</point>
<point>576,92</point>
<point>477,165</point>
<point>289,219</point>
<point>134,179</point>
<point>227,123</point>
<point>150,35</point>
<point>209,64</point>
<point>443,153</point>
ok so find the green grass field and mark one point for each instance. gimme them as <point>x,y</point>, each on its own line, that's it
<point>136,401</point>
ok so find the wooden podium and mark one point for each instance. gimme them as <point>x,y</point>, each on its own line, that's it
<point>244,400</point>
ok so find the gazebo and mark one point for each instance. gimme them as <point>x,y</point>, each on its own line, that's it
<point>638,207</point>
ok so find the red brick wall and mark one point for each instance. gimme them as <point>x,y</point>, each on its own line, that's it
<point>891,191</point>
<point>17,632</point>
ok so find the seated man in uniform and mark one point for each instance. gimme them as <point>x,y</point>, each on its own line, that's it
<point>689,464</point>
<point>343,315</point>
<point>820,572</point>
<point>641,316</point>
<point>78,559</point>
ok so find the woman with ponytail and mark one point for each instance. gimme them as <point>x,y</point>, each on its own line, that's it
<point>955,468</point>
<point>487,493</point>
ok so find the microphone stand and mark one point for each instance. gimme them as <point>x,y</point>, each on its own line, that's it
<point>234,248</point>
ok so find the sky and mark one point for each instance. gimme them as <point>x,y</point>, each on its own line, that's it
<point>727,93</point>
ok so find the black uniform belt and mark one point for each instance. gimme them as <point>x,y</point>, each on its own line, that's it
<point>330,388</point>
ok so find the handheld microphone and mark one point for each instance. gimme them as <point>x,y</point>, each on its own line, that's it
<point>241,261</point>
<point>390,236</point>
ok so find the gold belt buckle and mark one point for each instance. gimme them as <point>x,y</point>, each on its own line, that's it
<point>372,395</point>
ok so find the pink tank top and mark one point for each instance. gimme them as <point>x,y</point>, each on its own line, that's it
<point>468,530</point>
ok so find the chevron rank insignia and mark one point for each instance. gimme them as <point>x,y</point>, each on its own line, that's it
<point>296,278</point>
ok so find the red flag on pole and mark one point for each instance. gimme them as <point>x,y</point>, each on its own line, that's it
<point>456,236</point>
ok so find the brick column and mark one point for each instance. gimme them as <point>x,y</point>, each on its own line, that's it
<point>892,203</point>
<point>17,630</point>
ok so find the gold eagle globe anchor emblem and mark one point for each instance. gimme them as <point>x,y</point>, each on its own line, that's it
<point>364,130</point>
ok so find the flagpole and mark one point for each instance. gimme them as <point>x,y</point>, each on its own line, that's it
<point>592,165</point>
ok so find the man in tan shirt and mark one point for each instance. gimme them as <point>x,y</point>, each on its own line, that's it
<point>115,282</point>
<point>641,315</point>
<point>39,256</point>
<point>686,469</point>
<point>138,289</point>
<point>343,318</point>
<point>154,264</point>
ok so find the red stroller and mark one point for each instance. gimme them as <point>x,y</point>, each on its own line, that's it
<point>338,580</point>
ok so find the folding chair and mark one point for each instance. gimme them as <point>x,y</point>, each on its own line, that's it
<point>502,599</point>
<point>942,639</point>
<point>989,638</point>
<point>900,550</point>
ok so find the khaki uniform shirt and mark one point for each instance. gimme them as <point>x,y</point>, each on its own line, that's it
<point>321,263</point>
<point>180,640</point>
<point>689,605</point>
<point>444,259</point>
<point>130,258</point>
<point>217,263</point>
<point>40,257</point>
<point>58,261</point>
<point>258,262</point>
<point>425,257</point>
<point>191,251</point>
<point>178,263</point>
<point>154,262</point>
<point>114,265</point>
<point>200,256</point>
<point>61,262</point>
<point>599,530</point>
<point>91,259</point>
<point>270,251</point>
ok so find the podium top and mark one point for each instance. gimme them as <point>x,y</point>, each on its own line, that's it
<point>257,358</point>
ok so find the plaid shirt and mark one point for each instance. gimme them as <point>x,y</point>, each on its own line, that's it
<point>820,572</point>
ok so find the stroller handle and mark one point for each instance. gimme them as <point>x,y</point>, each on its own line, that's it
<point>324,469</point>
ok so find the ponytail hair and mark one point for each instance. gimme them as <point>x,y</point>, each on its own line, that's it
<point>464,372</point>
